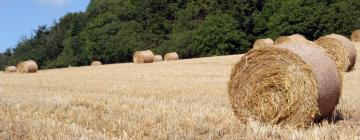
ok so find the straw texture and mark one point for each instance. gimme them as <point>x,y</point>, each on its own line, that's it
<point>356,44</point>
<point>143,57</point>
<point>350,48</point>
<point>336,51</point>
<point>355,36</point>
<point>10,69</point>
<point>29,66</point>
<point>171,56</point>
<point>261,43</point>
<point>158,58</point>
<point>291,38</point>
<point>96,63</point>
<point>290,85</point>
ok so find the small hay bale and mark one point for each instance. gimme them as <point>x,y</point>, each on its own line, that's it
<point>96,63</point>
<point>29,66</point>
<point>10,69</point>
<point>158,58</point>
<point>290,85</point>
<point>356,44</point>
<point>171,56</point>
<point>291,38</point>
<point>261,43</point>
<point>143,57</point>
<point>340,49</point>
<point>356,36</point>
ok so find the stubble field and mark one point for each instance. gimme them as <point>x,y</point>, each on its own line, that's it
<point>184,99</point>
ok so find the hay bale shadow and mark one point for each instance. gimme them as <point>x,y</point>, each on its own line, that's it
<point>335,118</point>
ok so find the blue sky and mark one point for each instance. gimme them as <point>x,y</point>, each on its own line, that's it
<point>21,17</point>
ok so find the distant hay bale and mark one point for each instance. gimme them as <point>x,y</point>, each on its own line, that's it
<point>340,49</point>
<point>357,44</point>
<point>290,85</point>
<point>10,69</point>
<point>29,66</point>
<point>355,35</point>
<point>171,56</point>
<point>143,57</point>
<point>96,63</point>
<point>349,47</point>
<point>158,58</point>
<point>261,43</point>
<point>336,51</point>
<point>291,38</point>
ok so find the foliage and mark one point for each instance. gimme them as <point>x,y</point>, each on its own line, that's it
<point>111,30</point>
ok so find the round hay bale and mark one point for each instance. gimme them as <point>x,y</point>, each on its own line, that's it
<point>355,35</point>
<point>261,43</point>
<point>291,38</point>
<point>350,48</point>
<point>96,63</point>
<point>10,69</point>
<point>143,57</point>
<point>291,85</point>
<point>336,51</point>
<point>340,49</point>
<point>356,44</point>
<point>158,58</point>
<point>171,56</point>
<point>29,66</point>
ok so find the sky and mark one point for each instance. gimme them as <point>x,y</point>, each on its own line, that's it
<point>19,18</point>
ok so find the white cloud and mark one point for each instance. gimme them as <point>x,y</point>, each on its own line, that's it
<point>56,3</point>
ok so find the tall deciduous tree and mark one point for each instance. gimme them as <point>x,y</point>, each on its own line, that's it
<point>111,30</point>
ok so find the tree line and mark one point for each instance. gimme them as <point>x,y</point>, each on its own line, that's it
<point>111,30</point>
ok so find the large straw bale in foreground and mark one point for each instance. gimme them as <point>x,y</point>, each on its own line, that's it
<point>96,63</point>
<point>29,66</point>
<point>10,69</point>
<point>291,38</point>
<point>340,49</point>
<point>158,58</point>
<point>356,36</point>
<point>290,85</point>
<point>262,43</point>
<point>143,57</point>
<point>171,56</point>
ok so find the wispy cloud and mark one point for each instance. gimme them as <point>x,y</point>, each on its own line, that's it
<point>56,3</point>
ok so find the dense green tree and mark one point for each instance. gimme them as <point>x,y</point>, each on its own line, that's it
<point>310,18</point>
<point>218,35</point>
<point>111,30</point>
<point>4,60</point>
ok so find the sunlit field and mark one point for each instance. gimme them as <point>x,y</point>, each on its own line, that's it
<point>185,99</point>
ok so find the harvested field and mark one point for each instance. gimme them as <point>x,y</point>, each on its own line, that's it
<point>184,99</point>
